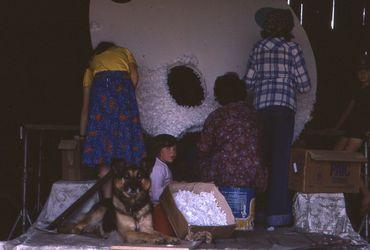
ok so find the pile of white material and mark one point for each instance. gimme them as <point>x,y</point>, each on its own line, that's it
<point>200,209</point>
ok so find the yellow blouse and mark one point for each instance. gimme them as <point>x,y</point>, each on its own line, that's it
<point>115,58</point>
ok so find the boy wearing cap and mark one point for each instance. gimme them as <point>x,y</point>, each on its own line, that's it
<point>276,73</point>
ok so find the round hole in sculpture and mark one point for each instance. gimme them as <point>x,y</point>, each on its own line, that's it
<point>185,86</point>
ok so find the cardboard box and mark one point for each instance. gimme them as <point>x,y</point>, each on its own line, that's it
<point>178,221</point>
<point>72,169</point>
<point>325,171</point>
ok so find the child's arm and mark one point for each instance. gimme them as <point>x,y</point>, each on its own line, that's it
<point>157,179</point>
<point>302,79</point>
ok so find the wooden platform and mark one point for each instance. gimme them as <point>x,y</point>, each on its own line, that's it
<point>285,238</point>
<point>282,238</point>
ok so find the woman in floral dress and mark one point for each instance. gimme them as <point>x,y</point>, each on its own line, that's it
<point>229,146</point>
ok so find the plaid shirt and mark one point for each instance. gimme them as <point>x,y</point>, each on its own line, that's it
<point>276,71</point>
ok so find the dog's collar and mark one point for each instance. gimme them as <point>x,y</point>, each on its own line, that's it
<point>130,213</point>
<point>125,212</point>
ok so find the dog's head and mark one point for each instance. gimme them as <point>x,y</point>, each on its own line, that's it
<point>130,181</point>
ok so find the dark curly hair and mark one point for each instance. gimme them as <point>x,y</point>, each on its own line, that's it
<point>162,141</point>
<point>278,23</point>
<point>154,147</point>
<point>229,88</point>
<point>102,46</point>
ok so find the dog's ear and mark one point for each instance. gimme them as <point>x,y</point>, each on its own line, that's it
<point>117,165</point>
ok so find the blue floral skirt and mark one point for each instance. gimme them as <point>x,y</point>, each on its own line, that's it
<point>113,127</point>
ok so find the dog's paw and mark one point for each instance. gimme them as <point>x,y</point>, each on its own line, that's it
<point>172,240</point>
<point>203,236</point>
<point>97,230</point>
<point>159,240</point>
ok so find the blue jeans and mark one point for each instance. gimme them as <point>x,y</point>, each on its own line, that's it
<point>277,133</point>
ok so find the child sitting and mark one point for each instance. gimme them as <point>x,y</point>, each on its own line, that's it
<point>164,152</point>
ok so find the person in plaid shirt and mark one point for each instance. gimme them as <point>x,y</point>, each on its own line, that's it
<point>276,73</point>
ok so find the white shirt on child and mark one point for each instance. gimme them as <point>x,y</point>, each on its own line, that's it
<point>160,177</point>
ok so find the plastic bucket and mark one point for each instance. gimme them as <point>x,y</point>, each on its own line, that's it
<point>242,203</point>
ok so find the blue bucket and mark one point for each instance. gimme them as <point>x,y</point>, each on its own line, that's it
<point>242,204</point>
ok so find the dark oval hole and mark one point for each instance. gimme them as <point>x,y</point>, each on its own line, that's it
<point>185,86</point>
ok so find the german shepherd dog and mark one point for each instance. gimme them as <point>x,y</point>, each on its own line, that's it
<point>129,211</point>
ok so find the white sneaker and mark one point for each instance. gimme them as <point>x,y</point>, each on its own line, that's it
<point>270,228</point>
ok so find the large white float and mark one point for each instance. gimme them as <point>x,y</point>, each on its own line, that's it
<point>210,36</point>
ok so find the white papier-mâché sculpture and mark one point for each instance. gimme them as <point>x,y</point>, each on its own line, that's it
<point>211,37</point>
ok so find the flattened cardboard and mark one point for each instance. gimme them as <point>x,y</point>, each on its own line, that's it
<point>325,171</point>
<point>178,221</point>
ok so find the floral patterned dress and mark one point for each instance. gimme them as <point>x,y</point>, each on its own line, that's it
<point>113,129</point>
<point>229,148</point>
